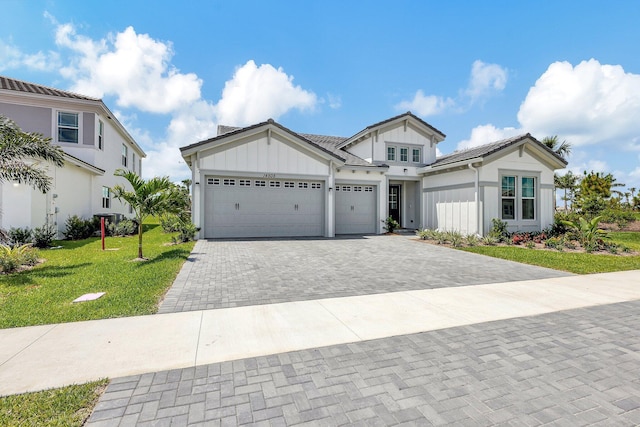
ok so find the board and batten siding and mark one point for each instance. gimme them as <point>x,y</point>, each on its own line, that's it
<point>264,156</point>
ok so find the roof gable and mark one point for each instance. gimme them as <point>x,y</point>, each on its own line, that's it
<point>7,83</point>
<point>485,151</point>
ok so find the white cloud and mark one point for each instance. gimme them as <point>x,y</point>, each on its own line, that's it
<point>426,105</point>
<point>335,101</point>
<point>133,67</point>
<point>486,134</point>
<point>13,58</point>
<point>586,104</point>
<point>256,93</point>
<point>486,79</point>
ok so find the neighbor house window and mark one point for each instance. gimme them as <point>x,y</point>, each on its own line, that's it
<point>404,154</point>
<point>125,152</point>
<point>391,154</point>
<point>68,129</point>
<point>106,198</point>
<point>508,197</point>
<point>415,155</point>
<point>100,135</point>
<point>133,161</point>
<point>518,197</point>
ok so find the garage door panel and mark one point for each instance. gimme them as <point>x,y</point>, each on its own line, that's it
<point>263,208</point>
<point>356,209</point>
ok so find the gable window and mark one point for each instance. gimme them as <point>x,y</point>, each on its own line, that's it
<point>68,129</point>
<point>404,154</point>
<point>125,153</point>
<point>415,155</point>
<point>518,198</point>
<point>106,198</point>
<point>100,135</point>
<point>391,154</point>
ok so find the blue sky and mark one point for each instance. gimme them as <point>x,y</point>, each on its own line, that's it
<point>477,71</point>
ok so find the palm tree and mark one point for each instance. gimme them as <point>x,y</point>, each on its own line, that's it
<point>149,197</point>
<point>568,181</point>
<point>18,148</point>
<point>562,149</point>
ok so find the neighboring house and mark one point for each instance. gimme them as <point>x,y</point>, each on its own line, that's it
<point>268,181</point>
<point>95,145</point>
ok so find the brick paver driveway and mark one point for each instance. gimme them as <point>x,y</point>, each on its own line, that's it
<point>570,368</point>
<point>222,274</point>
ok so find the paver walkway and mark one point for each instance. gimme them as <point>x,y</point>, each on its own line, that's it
<point>221,274</point>
<point>571,368</point>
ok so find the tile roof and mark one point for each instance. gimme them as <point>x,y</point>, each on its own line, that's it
<point>488,149</point>
<point>8,83</point>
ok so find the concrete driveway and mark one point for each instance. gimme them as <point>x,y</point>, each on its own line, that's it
<point>223,274</point>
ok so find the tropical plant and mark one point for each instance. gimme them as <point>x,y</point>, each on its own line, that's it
<point>565,182</point>
<point>43,236</point>
<point>587,232</point>
<point>499,230</point>
<point>472,239</point>
<point>562,149</point>
<point>11,258</point>
<point>77,228</point>
<point>155,196</point>
<point>391,224</point>
<point>20,236</point>
<point>456,238</point>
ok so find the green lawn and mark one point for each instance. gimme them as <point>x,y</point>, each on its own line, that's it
<point>43,295</point>
<point>66,406</point>
<point>580,263</point>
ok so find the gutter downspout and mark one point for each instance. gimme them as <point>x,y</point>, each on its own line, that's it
<point>477,197</point>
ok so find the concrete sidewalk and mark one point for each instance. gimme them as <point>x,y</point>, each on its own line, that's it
<point>35,358</point>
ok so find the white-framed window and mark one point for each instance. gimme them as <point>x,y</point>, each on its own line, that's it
<point>404,154</point>
<point>391,154</point>
<point>244,182</point>
<point>518,198</point>
<point>229,182</point>
<point>416,155</point>
<point>260,183</point>
<point>289,184</point>
<point>303,185</point>
<point>346,188</point>
<point>368,189</point>
<point>357,188</point>
<point>316,185</point>
<point>106,198</point>
<point>125,154</point>
<point>133,161</point>
<point>213,181</point>
<point>100,135</point>
<point>274,184</point>
<point>68,127</point>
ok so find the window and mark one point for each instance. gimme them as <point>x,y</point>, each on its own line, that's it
<point>368,189</point>
<point>245,183</point>
<point>357,188</point>
<point>125,153</point>
<point>316,185</point>
<point>404,154</point>
<point>106,198</point>
<point>303,185</point>
<point>391,154</point>
<point>133,161</point>
<point>415,155</point>
<point>528,198</point>
<point>289,184</point>
<point>229,182</point>
<point>68,129</point>
<point>260,183</point>
<point>274,184</point>
<point>213,181</point>
<point>518,198</point>
<point>346,188</point>
<point>100,135</point>
<point>508,197</point>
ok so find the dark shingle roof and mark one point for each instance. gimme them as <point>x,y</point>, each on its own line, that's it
<point>488,149</point>
<point>22,86</point>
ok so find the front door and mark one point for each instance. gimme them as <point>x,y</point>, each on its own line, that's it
<point>394,202</point>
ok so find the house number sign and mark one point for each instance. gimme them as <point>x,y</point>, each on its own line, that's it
<point>269,175</point>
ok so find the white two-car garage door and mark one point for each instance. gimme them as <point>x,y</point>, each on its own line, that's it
<point>260,207</point>
<point>356,209</point>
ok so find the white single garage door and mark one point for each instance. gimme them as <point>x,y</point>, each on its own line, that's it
<point>253,207</point>
<point>356,209</point>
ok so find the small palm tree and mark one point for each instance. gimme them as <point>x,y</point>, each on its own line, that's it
<point>148,197</point>
<point>18,148</point>
<point>562,149</point>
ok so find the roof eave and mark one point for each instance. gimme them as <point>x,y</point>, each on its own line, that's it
<point>432,169</point>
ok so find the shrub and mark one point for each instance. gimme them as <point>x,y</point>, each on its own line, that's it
<point>126,227</point>
<point>441,237</point>
<point>170,223</point>
<point>472,240</point>
<point>620,217</point>
<point>518,238</point>
<point>499,230</point>
<point>20,236</point>
<point>391,224</point>
<point>588,233</point>
<point>490,240</point>
<point>186,232</point>
<point>456,238</point>
<point>530,244</point>
<point>11,258</point>
<point>78,228</point>
<point>43,236</point>
<point>554,243</point>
